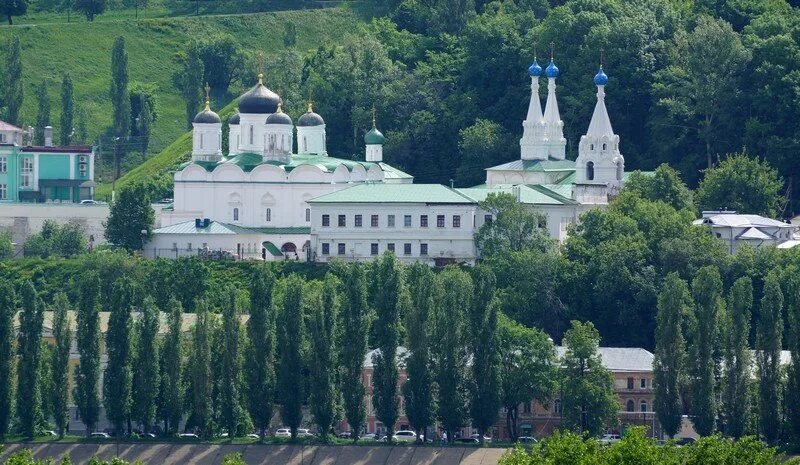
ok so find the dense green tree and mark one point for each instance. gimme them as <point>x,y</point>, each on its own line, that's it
<point>146,371</point>
<point>62,335</point>
<point>417,392</point>
<point>43,114</point>
<point>356,319</point>
<point>170,402</point>
<point>120,102</point>
<point>131,218</point>
<point>514,227</point>
<point>663,185</point>
<point>483,338</point>
<point>223,60</point>
<point>450,353</point>
<point>669,362</point>
<point>199,367</point>
<point>231,363</point>
<point>588,401</point>
<point>707,294</point>
<point>11,8</point>
<point>188,79</point>
<point>391,300</point>
<point>189,280</point>
<point>742,183</point>
<point>768,357</point>
<point>145,122</point>
<point>67,110</point>
<point>66,240</point>
<point>87,373</point>
<point>290,368</point>
<point>8,308</point>
<point>118,375</point>
<point>324,393</point>
<point>793,342</point>
<point>528,369</point>
<point>81,131</point>
<point>736,351</point>
<point>6,246</point>
<point>29,391</point>
<point>483,144</point>
<point>14,92</point>
<point>90,8</point>
<point>261,349</point>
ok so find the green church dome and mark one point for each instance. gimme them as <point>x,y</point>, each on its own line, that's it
<point>374,137</point>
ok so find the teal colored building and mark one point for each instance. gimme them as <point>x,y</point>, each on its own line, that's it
<point>43,174</point>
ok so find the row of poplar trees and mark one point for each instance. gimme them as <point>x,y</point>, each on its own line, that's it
<point>304,343</point>
<point>705,367</point>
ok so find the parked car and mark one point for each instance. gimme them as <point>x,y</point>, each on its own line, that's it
<point>50,433</point>
<point>188,436</point>
<point>485,438</point>
<point>304,433</point>
<point>346,435</point>
<point>253,436</point>
<point>405,436</point>
<point>89,202</point>
<point>527,440</point>
<point>466,441</point>
<point>369,436</point>
<point>283,433</point>
<point>609,439</point>
<point>100,435</point>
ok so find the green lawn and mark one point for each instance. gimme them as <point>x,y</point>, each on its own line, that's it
<point>84,50</point>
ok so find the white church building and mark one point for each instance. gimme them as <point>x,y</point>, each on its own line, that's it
<point>264,201</point>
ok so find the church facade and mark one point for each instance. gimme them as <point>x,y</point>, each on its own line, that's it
<point>267,201</point>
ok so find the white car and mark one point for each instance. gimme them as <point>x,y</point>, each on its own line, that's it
<point>608,439</point>
<point>485,438</point>
<point>188,436</point>
<point>253,436</point>
<point>405,436</point>
<point>304,433</point>
<point>99,435</point>
<point>283,433</point>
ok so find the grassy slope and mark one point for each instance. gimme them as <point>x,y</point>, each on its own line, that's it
<point>84,49</point>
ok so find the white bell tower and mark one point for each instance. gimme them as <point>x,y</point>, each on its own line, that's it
<point>207,134</point>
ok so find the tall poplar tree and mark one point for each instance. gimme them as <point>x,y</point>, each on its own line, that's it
<point>120,100</point>
<point>290,372</point>
<point>768,357</point>
<point>260,357</point>
<point>43,116</point>
<point>450,354</point>
<point>8,308</point>
<point>793,342</point>
<point>29,396</point>
<point>707,294</point>
<point>118,374</point>
<point>323,308</point>
<point>356,320</point>
<point>670,356</point>
<point>170,402</point>
<point>485,386</point>
<point>189,81</point>
<point>231,363</point>
<point>391,294</point>
<point>417,391</point>
<point>67,110</point>
<point>87,373</point>
<point>737,357</point>
<point>200,370</point>
<point>60,362</point>
<point>146,373</point>
<point>13,86</point>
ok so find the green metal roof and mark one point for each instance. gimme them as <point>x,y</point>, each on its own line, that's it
<point>529,194</point>
<point>216,227</point>
<point>395,193</point>
<point>390,172</point>
<point>535,165</point>
<point>248,160</point>
<point>273,249</point>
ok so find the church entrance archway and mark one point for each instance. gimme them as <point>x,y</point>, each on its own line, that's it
<point>289,247</point>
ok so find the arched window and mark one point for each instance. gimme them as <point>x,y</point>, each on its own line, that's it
<point>269,215</point>
<point>591,146</point>
<point>235,214</point>
<point>643,406</point>
<point>251,135</point>
<point>619,171</point>
<point>590,171</point>
<point>604,146</point>
<point>308,215</point>
<point>629,406</point>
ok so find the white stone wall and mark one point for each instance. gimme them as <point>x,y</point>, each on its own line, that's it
<point>24,219</point>
<point>181,245</point>
<point>497,177</point>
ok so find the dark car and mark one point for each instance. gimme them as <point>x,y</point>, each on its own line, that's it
<point>466,441</point>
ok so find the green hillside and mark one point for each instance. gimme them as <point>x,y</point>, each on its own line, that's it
<point>84,50</point>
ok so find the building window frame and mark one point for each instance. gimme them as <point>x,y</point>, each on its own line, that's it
<point>423,221</point>
<point>358,221</point>
<point>456,221</point>
<point>3,164</point>
<point>407,248</point>
<point>3,192</point>
<point>390,221</point>
<point>374,221</point>
<point>342,221</point>
<point>341,248</point>
<point>390,247</point>
<point>269,215</point>
<point>630,382</point>
<point>235,213</point>
<point>26,179</point>
<point>308,215</point>
<point>406,221</point>
<point>423,249</point>
<point>326,248</point>
<point>373,248</point>
<point>643,383</point>
<point>326,220</point>
<point>440,221</point>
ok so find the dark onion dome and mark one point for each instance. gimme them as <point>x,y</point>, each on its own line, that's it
<point>207,116</point>
<point>279,117</point>
<point>552,70</point>
<point>259,100</point>
<point>235,118</point>
<point>374,137</point>
<point>535,70</point>
<point>310,118</point>
<point>600,78</point>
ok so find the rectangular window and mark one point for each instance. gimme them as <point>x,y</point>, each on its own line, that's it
<point>407,221</point>
<point>269,215</point>
<point>456,221</point>
<point>487,219</point>
<point>373,221</point>
<point>341,248</point>
<point>342,221</point>
<point>440,221</point>
<point>308,215</point>
<point>326,220</point>
<point>526,407</point>
<point>630,383</point>
<point>423,221</point>
<point>326,248</point>
<point>3,192</point>
<point>643,383</point>
<point>390,247</point>
<point>390,221</point>
<point>407,248</point>
<point>27,173</point>
<point>373,248</point>
<point>423,249</point>
<point>3,164</point>
<point>358,221</point>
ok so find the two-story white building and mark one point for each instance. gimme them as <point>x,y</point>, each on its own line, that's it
<point>755,231</point>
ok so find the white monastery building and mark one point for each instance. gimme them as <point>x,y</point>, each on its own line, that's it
<point>266,200</point>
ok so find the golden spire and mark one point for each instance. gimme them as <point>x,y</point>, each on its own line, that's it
<point>552,50</point>
<point>280,107</point>
<point>208,97</point>
<point>534,50</point>
<point>373,116</point>
<point>310,107</point>
<point>261,78</point>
